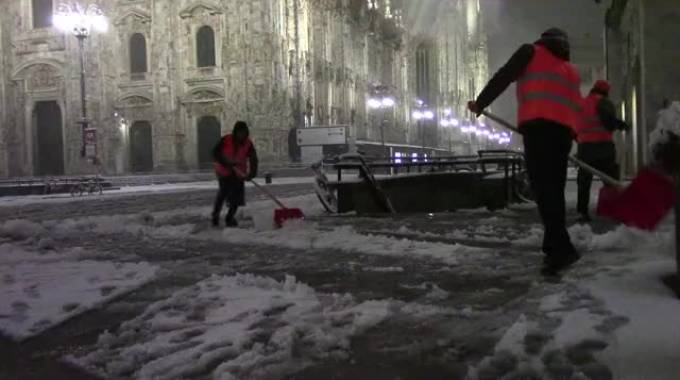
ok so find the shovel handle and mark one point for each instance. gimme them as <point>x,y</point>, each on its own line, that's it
<point>604,177</point>
<point>261,188</point>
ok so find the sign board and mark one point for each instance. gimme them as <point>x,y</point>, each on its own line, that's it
<point>90,143</point>
<point>319,136</point>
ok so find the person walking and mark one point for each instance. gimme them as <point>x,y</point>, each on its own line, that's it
<point>235,162</point>
<point>595,137</point>
<point>548,93</point>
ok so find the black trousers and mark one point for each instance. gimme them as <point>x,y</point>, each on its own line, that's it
<point>601,156</point>
<point>547,146</point>
<point>231,191</point>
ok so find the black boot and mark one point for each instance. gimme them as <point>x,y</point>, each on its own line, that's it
<point>230,220</point>
<point>215,220</point>
<point>584,219</point>
<point>553,265</point>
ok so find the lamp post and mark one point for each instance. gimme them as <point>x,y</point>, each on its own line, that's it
<point>422,113</point>
<point>81,21</point>
<point>448,122</point>
<point>381,102</point>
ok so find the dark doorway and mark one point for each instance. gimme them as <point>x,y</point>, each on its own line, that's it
<point>208,136</point>
<point>49,142</point>
<point>141,147</point>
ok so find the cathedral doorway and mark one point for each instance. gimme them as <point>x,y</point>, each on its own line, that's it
<point>141,147</point>
<point>208,135</point>
<point>48,152</point>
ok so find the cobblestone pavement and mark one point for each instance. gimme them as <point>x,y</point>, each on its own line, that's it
<point>498,289</point>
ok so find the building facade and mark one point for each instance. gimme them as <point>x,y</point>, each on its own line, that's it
<point>641,64</point>
<point>170,76</point>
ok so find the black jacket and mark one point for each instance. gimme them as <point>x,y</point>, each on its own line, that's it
<point>252,158</point>
<point>515,68</point>
<point>607,113</point>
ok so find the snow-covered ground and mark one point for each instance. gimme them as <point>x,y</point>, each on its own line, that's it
<point>42,289</point>
<point>239,327</point>
<point>138,190</point>
<point>432,293</point>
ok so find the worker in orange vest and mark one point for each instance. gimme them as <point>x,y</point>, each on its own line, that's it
<point>595,137</point>
<point>548,93</point>
<point>235,162</point>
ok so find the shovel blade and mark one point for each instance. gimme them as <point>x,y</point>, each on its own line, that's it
<point>643,204</point>
<point>282,215</point>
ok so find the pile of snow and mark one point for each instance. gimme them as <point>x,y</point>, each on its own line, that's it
<point>40,291</point>
<point>238,327</point>
<point>302,235</point>
<point>667,124</point>
<point>307,236</point>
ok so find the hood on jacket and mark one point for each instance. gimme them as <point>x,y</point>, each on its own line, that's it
<point>557,41</point>
<point>240,131</point>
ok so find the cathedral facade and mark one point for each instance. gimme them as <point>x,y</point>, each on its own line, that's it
<point>169,77</point>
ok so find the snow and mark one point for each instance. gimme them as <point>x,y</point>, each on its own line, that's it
<point>613,320</point>
<point>13,201</point>
<point>647,346</point>
<point>668,123</point>
<point>39,291</point>
<point>307,235</point>
<point>238,327</point>
<point>304,235</point>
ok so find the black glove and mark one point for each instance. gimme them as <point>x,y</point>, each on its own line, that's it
<point>624,126</point>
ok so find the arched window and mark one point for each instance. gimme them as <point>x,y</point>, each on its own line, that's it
<point>138,54</point>
<point>205,47</point>
<point>42,13</point>
<point>424,71</point>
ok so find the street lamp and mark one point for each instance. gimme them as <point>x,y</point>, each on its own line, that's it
<point>81,21</point>
<point>381,103</point>
<point>422,113</point>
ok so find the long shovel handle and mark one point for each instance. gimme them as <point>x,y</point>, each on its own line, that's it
<point>604,177</point>
<point>261,188</point>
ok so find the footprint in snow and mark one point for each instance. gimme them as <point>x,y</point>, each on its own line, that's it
<point>69,307</point>
<point>20,306</point>
<point>107,290</point>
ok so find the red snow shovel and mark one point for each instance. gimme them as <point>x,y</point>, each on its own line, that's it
<point>643,204</point>
<point>282,214</point>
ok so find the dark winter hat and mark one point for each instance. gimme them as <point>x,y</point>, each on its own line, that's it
<point>602,86</point>
<point>555,34</point>
<point>241,126</point>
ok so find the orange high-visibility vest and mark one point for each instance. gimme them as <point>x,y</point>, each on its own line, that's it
<point>549,89</point>
<point>240,156</point>
<point>591,128</point>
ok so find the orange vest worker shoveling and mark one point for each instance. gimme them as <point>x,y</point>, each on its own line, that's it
<point>549,109</point>
<point>595,137</point>
<point>235,162</point>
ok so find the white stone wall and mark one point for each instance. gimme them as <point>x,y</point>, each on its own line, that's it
<point>279,64</point>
